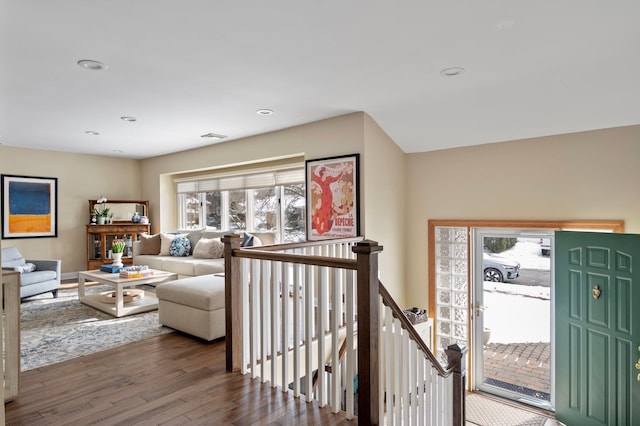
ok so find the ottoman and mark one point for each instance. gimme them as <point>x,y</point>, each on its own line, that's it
<point>193,305</point>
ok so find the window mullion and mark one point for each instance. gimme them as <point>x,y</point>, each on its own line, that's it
<point>181,210</point>
<point>281,212</point>
<point>250,218</point>
<point>225,209</point>
<point>202,196</point>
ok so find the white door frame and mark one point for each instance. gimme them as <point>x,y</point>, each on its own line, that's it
<point>477,312</point>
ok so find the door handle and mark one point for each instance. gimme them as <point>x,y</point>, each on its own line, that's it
<point>482,308</point>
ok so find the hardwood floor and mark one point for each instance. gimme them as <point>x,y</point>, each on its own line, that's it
<point>171,379</point>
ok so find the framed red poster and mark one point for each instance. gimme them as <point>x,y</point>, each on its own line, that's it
<point>333,208</point>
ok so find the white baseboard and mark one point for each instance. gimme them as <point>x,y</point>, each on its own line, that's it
<point>69,276</point>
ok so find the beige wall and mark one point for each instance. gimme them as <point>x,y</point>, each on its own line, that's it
<point>334,136</point>
<point>80,178</point>
<point>546,178</point>
<point>588,175</point>
<point>381,175</point>
<point>382,172</point>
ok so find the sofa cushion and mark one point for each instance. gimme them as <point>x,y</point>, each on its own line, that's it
<point>150,244</point>
<point>165,242</point>
<point>153,262</point>
<point>179,265</point>
<point>11,257</point>
<point>180,247</point>
<point>204,292</point>
<point>209,266</point>
<point>266,238</point>
<point>37,277</point>
<point>213,234</point>
<point>208,248</point>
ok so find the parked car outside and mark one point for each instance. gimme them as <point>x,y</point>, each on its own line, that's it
<point>545,246</point>
<point>499,269</point>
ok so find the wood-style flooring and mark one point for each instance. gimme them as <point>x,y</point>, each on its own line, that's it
<point>171,379</point>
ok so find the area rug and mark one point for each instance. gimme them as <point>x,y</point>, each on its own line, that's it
<point>55,330</point>
<point>484,411</point>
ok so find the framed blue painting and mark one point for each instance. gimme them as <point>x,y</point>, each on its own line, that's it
<point>29,207</point>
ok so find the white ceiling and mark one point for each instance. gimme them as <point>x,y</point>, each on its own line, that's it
<point>186,68</point>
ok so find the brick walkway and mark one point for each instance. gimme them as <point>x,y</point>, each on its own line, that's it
<point>523,367</point>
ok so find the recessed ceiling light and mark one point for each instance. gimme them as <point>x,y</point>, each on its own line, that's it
<point>213,135</point>
<point>452,71</point>
<point>130,119</point>
<point>118,151</point>
<point>264,111</point>
<point>92,65</point>
<point>92,132</point>
<point>505,24</point>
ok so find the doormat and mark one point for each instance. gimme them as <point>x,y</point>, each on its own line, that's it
<point>484,411</point>
<point>519,389</point>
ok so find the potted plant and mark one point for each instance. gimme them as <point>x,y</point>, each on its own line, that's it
<point>102,212</point>
<point>117,249</point>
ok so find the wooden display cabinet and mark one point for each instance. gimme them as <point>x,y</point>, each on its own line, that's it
<point>99,237</point>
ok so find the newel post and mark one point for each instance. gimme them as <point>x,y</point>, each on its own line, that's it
<point>369,400</point>
<point>232,306</point>
<point>456,356</point>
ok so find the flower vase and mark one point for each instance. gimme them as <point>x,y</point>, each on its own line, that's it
<point>101,220</point>
<point>117,259</point>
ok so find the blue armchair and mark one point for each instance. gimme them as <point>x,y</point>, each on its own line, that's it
<point>36,276</point>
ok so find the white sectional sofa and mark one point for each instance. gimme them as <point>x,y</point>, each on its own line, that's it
<point>193,305</point>
<point>188,266</point>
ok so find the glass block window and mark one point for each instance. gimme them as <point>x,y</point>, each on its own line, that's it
<point>452,287</point>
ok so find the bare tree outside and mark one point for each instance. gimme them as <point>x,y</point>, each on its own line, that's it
<point>294,213</point>
<point>237,210</point>
<point>265,209</point>
<point>214,209</point>
<point>207,209</point>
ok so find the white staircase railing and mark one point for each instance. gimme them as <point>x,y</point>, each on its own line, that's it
<point>418,390</point>
<point>292,321</point>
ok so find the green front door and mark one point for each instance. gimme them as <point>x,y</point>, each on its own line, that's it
<point>597,304</point>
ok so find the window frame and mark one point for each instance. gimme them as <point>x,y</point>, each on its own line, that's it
<point>615,226</point>
<point>250,213</point>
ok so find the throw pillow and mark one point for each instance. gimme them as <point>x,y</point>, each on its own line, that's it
<point>249,240</point>
<point>208,248</point>
<point>180,246</point>
<point>165,242</point>
<point>11,257</point>
<point>193,235</point>
<point>26,268</point>
<point>150,244</point>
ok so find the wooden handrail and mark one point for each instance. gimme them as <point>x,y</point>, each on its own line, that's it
<point>331,262</point>
<point>305,244</point>
<point>406,324</point>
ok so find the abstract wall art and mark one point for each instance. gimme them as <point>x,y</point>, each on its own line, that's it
<point>29,207</point>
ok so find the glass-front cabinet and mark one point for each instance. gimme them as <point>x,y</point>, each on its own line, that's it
<point>100,236</point>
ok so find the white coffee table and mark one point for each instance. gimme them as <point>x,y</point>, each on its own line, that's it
<point>120,309</point>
